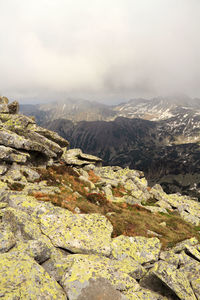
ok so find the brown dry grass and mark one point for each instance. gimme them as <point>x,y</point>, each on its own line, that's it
<point>130,220</point>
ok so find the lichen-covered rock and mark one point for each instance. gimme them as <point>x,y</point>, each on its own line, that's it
<point>155,209</point>
<point>30,174</point>
<point>170,257</point>
<point>141,249</point>
<point>20,133</point>
<point>193,252</point>
<point>8,154</point>
<point>22,278</point>
<point>3,188</point>
<point>3,168</point>
<point>77,158</point>
<point>100,288</point>
<point>13,107</point>
<point>51,135</point>
<point>143,294</point>
<point>41,187</point>
<point>7,238</point>
<point>86,267</point>
<point>39,249</point>
<point>78,233</point>
<point>87,182</point>
<point>174,281</point>
<point>57,267</point>
<point>24,226</point>
<point>130,267</point>
<point>190,218</point>
<point>183,245</point>
<point>191,269</point>
<point>196,287</point>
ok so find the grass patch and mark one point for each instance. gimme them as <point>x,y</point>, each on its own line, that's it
<point>16,186</point>
<point>130,220</point>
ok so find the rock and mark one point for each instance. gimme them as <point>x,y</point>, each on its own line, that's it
<point>14,173</point>
<point>77,210</point>
<point>170,257</point>
<point>141,249</point>
<point>143,294</point>
<point>30,174</point>
<point>41,187</point>
<point>196,287</point>
<point>150,232</point>
<point>92,267</point>
<point>3,168</point>
<point>174,281</point>
<point>100,288</point>
<point>51,135</point>
<point>193,252</point>
<point>24,227</point>
<point>155,209</point>
<point>163,224</point>
<point>13,140</point>
<point>20,133</point>
<point>108,192</point>
<point>39,249</point>
<point>183,245</point>
<point>77,158</point>
<point>3,189</point>
<point>190,218</point>
<point>22,278</point>
<point>3,105</point>
<point>89,183</point>
<point>8,154</point>
<point>4,99</point>
<point>7,239</point>
<point>130,267</point>
<point>78,233</point>
<point>191,268</point>
<point>163,204</point>
<point>13,107</point>
<point>57,267</point>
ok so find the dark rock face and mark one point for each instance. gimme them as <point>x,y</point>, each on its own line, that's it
<point>144,145</point>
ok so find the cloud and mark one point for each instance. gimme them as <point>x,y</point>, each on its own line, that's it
<point>99,49</point>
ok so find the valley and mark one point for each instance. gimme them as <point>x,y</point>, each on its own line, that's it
<point>159,136</point>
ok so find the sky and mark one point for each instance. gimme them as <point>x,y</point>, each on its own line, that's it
<point>103,50</point>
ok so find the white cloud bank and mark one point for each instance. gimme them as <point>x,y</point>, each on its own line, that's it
<point>99,49</point>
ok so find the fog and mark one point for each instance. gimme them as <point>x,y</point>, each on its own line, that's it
<point>106,50</point>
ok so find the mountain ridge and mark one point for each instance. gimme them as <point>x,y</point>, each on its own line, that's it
<point>74,230</point>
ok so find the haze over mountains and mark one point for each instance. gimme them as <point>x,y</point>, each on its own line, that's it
<point>160,136</point>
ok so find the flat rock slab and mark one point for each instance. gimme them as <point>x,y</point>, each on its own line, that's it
<point>78,158</point>
<point>78,233</point>
<point>101,289</point>
<point>86,267</point>
<point>165,278</point>
<point>22,278</point>
<point>141,249</point>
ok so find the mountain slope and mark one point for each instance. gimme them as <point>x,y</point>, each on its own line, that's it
<point>165,153</point>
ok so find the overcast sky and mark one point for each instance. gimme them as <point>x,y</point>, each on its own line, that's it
<point>99,49</point>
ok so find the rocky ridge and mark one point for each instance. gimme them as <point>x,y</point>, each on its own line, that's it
<point>67,249</point>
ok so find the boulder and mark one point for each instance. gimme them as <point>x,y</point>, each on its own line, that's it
<point>141,249</point>
<point>13,107</point>
<point>78,233</point>
<point>22,278</point>
<point>165,279</point>
<point>76,157</point>
<point>85,268</point>
<point>100,288</point>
